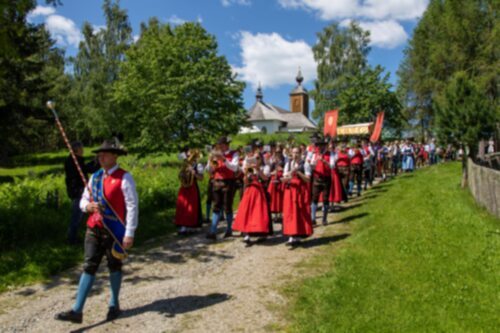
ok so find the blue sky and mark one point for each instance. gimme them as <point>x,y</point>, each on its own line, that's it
<point>264,40</point>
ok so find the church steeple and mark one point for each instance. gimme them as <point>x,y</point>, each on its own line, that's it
<point>259,96</point>
<point>299,78</point>
<point>299,98</point>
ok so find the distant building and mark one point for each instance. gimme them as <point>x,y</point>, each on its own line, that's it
<point>269,118</point>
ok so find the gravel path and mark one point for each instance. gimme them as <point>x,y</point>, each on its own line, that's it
<point>187,285</point>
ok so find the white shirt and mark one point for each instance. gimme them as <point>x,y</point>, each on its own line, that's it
<point>131,200</point>
<point>232,165</point>
<point>292,165</point>
<point>316,156</point>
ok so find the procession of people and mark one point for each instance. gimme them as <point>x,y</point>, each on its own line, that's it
<point>277,183</point>
<point>285,183</point>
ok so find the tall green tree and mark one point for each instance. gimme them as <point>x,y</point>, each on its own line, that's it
<point>341,55</point>
<point>463,113</point>
<point>96,67</point>
<point>346,81</point>
<point>175,89</point>
<point>368,93</point>
<point>30,69</point>
<point>451,37</point>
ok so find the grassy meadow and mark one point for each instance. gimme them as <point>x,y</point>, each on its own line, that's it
<point>422,257</point>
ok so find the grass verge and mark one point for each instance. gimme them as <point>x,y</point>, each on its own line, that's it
<point>423,257</point>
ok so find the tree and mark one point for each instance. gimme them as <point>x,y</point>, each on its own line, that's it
<point>174,89</point>
<point>451,37</point>
<point>367,94</point>
<point>96,68</point>
<point>340,55</point>
<point>30,69</point>
<point>346,81</point>
<point>464,114</point>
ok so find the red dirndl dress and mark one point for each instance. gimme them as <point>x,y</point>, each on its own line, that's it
<point>275,190</point>
<point>188,207</point>
<point>253,213</point>
<point>297,209</point>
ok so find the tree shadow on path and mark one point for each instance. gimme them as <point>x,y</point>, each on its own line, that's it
<point>169,307</point>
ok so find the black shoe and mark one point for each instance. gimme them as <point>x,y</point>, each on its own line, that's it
<point>211,236</point>
<point>228,233</point>
<point>113,313</point>
<point>71,316</point>
<point>324,223</point>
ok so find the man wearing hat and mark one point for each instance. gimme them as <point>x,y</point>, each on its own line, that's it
<point>322,161</point>
<point>223,167</point>
<point>113,207</point>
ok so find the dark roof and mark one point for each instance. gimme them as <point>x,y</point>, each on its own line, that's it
<point>293,120</point>
<point>263,111</point>
<point>297,120</point>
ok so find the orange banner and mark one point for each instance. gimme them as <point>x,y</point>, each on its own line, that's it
<point>377,131</point>
<point>330,127</point>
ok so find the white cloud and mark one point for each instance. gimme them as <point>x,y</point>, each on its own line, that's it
<point>227,3</point>
<point>98,28</point>
<point>175,20</point>
<point>272,60</point>
<point>41,11</point>
<point>63,30</point>
<point>136,38</point>
<point>368,9</point>
<point>384,34</point>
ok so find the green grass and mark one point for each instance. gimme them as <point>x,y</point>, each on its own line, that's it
<point>423,257</point>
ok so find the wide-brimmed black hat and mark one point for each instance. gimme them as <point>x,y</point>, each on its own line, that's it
<point>111,146</point>
<point>318,141</point>
<point>223,140</point>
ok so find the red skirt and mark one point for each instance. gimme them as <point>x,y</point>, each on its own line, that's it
<point>253,212</point>
<point>188,207</point>
<point>337,192</point>
<point>275,190</point>
<point>297,209</point>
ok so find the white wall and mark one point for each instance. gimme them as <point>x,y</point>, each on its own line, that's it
<point>272,126</point>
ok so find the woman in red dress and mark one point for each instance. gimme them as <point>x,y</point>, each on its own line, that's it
<point>297,221</point>
<point>253,218</point>
<point>275,188</point>
<point>188,207</point>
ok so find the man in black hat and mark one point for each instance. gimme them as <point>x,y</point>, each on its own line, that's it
<point>223,167</point>
<point>74,187</point>
<point>113,198</point>
<point>322,161</point>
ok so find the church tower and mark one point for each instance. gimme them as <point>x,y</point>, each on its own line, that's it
<point>299,98</point>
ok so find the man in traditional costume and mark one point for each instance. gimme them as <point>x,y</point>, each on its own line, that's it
<point>113,205</point>
<point>223,165</point>
<point>322,161</point>
<point>356,174</point>
<point>342,166</point>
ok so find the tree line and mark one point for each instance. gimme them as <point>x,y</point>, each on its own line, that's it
<point>171,86</point>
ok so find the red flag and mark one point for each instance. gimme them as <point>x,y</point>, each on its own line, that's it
<point>331,123</point>
<point>377,131</point>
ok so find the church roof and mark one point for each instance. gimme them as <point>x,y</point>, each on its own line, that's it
<point>263,111</point>
<point>297,120</point>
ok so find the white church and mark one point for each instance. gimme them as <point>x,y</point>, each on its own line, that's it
<point>269,118</point>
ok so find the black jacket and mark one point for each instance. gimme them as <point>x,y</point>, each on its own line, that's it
<point>74,183</point>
